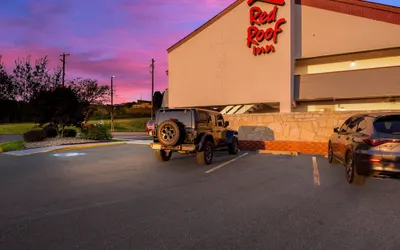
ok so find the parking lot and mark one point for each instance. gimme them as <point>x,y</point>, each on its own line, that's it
<point>119,197</point>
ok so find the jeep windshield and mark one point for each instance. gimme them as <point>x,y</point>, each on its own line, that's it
<point>184,116</point>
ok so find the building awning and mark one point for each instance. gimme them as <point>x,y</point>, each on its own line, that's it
<point>354,84</point>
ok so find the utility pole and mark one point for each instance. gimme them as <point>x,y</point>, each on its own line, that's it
<point>152,86</point>
<point>112,104</point>
<point>63,55</point>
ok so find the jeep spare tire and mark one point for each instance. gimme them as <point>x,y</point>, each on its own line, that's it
<point>169,133</point>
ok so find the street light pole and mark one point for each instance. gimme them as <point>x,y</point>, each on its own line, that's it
<point>112,104</point>
<point>152,87</point>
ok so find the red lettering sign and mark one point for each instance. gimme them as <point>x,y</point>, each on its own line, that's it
<point>256,35</point>
<point>257,16</point>
<point>276,2</point>
<point>263,50</point>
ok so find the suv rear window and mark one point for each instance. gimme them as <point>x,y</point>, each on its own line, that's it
<point>184,116</point>
<point>388,125</point>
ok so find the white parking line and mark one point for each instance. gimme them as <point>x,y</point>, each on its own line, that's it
<point>225,163</point>
<point>316,171</point>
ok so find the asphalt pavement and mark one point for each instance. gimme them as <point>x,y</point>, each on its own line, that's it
<point>119,197</point>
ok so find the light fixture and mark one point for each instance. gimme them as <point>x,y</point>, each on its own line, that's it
<point>353,64</point>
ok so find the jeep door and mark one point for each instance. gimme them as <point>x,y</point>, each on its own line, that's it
<point>219,130</point>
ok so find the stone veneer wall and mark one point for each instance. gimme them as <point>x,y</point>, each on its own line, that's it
<point>303,132</point>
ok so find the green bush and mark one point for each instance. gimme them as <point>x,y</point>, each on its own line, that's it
<point>34,136</point>
<point>11,146</point>
<point>69,132</point>
<point>96,132</point>
<point>50,131</point>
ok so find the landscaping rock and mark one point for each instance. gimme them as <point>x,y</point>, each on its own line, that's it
<point>56,142</point>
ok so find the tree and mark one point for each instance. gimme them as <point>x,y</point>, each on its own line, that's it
<point>8,91</point>
<point>32,79</point>
<point>60,107</point>
<point>157,101</point>
<point>89,91</point>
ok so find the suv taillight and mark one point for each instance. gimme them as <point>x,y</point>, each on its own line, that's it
<point>377,142</point>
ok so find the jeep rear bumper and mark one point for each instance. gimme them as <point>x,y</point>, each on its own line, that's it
<point>183,147</point>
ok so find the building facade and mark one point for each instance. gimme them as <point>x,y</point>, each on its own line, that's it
<point>269,56</point>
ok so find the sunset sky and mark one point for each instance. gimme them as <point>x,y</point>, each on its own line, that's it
<point>105,37</point>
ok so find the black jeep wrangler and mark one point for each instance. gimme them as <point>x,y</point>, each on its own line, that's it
<point>192,130</point>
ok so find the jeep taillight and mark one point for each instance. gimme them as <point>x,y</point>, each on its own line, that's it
<point>191,135</point>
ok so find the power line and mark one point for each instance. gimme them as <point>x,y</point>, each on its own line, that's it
<point>63,55</point>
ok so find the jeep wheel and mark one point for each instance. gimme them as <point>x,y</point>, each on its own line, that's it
<point>161,155</point>
<point>233,148</point>
<point>205,157</point>
<point>169,133</point>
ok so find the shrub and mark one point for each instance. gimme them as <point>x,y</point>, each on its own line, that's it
<point>11,146</point>
<point>34,136</point>
<point>50,131</point>
<point>69,132</point>
<point>96,132</point>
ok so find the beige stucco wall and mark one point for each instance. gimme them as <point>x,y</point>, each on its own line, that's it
<point>322,32</point>
<point>216,67</point>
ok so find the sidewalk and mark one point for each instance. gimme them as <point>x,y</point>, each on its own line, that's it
<point>76,146</point>
<point>116,135</point>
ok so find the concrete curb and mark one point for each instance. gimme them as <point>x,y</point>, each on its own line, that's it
<point>274,152</point>
<point>94,145</point>
<point>139,142</point>
<point>76,146</point>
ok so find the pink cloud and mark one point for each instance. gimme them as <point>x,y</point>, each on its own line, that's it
<point>105,37</point>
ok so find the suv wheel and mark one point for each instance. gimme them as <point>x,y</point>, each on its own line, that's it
<point>205,157</point>
<point>331,157</point>
<point>161,155</point>
<point>351,172</point>
<point>233,148</point>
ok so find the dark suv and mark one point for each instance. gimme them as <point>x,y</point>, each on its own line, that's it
<point>192,130</point>
<point>368,145</point>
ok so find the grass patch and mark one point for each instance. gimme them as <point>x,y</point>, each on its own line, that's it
<point>120,125</point>
<point>16,128</point>
<point>126,125</point>
<point>12,146</point>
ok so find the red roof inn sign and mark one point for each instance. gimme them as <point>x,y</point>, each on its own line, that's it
<point>258,17</point>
